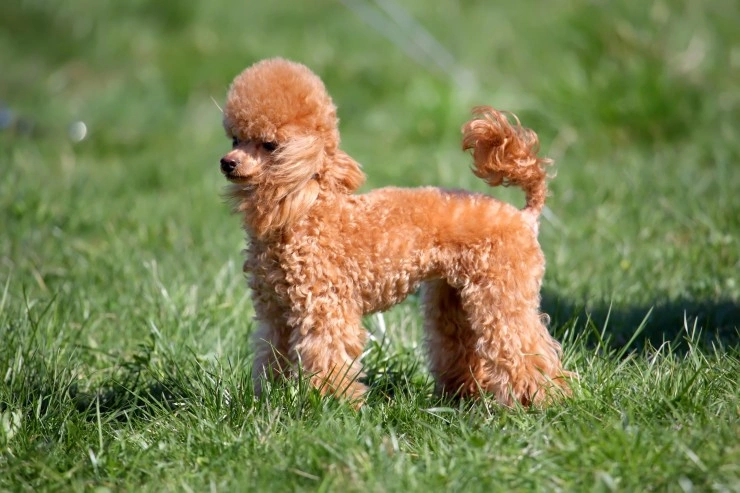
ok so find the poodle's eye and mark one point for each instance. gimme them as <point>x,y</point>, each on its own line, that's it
<point>269,146</point>
<point>234,142</point>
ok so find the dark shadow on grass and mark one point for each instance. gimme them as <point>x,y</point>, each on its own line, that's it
<point>664,321</point>
<point>123,402</point>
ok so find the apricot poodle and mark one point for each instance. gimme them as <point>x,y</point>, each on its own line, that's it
<point>320,257</point>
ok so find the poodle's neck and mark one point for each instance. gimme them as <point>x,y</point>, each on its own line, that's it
<point>269,211</point>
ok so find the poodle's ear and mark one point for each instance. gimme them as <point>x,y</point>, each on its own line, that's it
<point>343,173</point>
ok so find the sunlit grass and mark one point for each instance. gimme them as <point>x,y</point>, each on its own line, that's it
<point>125,318</point>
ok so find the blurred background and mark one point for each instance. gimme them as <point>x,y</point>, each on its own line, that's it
<point>110,135</point>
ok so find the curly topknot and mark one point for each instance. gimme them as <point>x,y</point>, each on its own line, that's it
<point>276,99</point>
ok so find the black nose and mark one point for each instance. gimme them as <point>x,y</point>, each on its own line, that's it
<point>227,165</point>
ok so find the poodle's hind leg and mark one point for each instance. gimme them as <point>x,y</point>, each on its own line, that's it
<point>328,348</point>
<point>453,360</point>
<point>520,360</point>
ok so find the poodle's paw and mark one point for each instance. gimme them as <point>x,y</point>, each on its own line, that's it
<point>343,387</point>
<point>535,388</point>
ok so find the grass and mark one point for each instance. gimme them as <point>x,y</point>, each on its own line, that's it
<point>124,318</point>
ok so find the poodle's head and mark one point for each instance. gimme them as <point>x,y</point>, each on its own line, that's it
<point>285,144</point>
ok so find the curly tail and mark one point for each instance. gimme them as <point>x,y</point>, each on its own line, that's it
<point>507,154</point>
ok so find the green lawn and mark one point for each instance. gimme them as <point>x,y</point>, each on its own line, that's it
<point>125,319</point>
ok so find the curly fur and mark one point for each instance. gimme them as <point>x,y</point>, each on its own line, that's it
<point>320,256</point>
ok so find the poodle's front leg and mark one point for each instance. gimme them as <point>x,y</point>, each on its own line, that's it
<point>271,339</point>
<point>327,342</point>
<point>270,342</point>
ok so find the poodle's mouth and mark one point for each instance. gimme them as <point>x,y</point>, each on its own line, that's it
<point>237,180</point>
<point>242,185</point>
